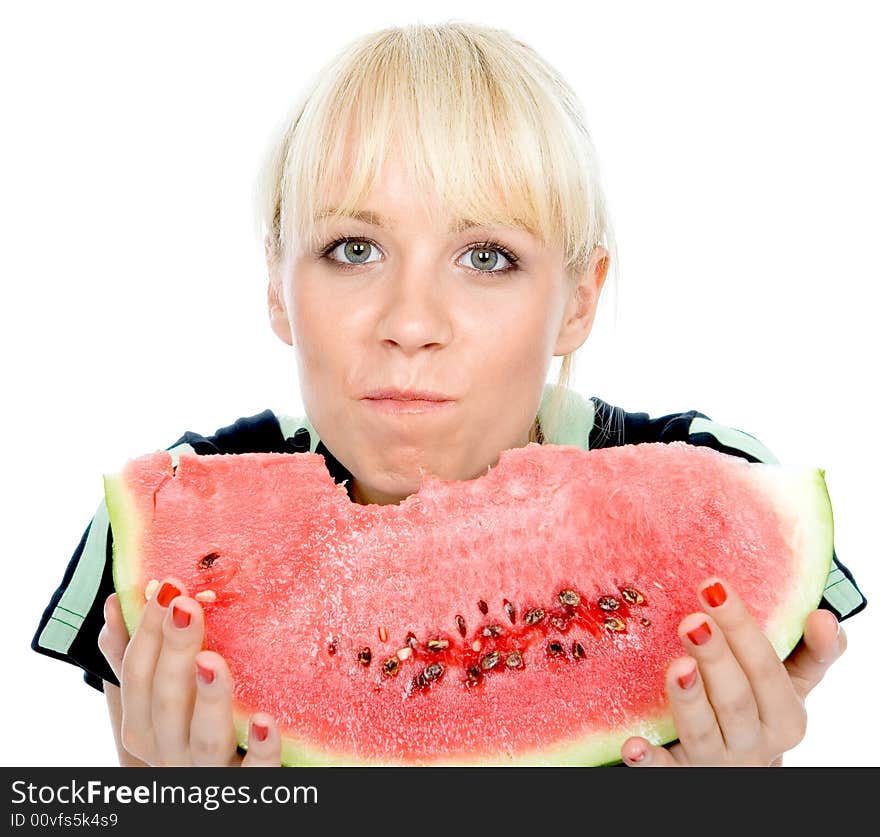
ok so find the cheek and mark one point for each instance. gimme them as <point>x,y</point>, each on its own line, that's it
<point>310,316</point>
<point>520,334</point>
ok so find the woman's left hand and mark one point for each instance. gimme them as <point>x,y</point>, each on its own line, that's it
<point>734,702</point>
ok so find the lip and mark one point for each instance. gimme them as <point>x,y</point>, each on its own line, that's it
<point>393,394</point>
<point>406,406</point>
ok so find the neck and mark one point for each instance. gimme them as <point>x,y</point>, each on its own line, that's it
<point>367,496</point>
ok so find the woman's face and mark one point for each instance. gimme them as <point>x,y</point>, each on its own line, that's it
<point>401,304</point>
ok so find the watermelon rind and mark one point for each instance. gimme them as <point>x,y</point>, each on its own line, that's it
<point>806,493</point>
<point>598,749</point>
<point>126,528</point>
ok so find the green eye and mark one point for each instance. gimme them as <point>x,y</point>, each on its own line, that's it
<point>483,259</point>
<point>355,250</point>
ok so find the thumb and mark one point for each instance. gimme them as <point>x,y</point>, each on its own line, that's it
<point>823,642</point>
<point>113,638</point>
<point>639,752</point>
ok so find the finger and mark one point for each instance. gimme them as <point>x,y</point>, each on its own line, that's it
<point>212,740</point>
<point>822,644</point>
<point>695,719</point>
<point>264,742</point>
<point>138,671</point>
<point>639,752</point>
<point>777,703</point>
<point>174,686</point>
<point>113,638</point>
<point>727,688</point>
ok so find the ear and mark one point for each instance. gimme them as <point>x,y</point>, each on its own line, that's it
<point>580,310</point>
<point>275,297</point>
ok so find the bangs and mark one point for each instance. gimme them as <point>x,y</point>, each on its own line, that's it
<point>488,131</point>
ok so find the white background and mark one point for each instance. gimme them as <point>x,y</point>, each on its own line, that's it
<point>738,145</point>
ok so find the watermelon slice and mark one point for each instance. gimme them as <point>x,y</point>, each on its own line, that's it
<point>523,617</point>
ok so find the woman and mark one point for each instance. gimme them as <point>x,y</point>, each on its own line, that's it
<point>435,233</point>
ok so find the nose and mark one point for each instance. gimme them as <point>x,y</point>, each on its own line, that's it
<point>416,310</point>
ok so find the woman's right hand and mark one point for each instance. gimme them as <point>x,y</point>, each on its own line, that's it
<point>176,698</point>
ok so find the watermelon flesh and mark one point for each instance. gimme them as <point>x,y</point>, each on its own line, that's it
<point>523,617</point>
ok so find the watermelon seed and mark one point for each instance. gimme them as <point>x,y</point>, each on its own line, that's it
<point>645,621</point>
<point>383,634</point>
<point>608,603</point>
<point>484,608</point>
<point>577,650</point>
<point>510,610</point>
<point>364,656</point>
<point>614,623</point>
<point>208,561</point>
<point>533,616</point>
<point>570,598</point>
<point>514,659</point>
<point>332,646</point>
<point>462,627</point>
<point>490,661</point>
<point>554,647</point>
<point>437,645</point>
<point>391,666</point>
<point>404,653</point>
<point>632,596</point>
<point>206,596</point>
<point>491,630</point>
<point>151,589</point>
<point>433,671</point>
<point>411,640</point>
<point>477,645</point>
<point>474,675</point>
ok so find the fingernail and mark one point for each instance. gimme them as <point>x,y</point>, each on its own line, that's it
<point>715,594</point>
<point>688,680</point>
<point>701,634</point>
<point>181,617</point>
<point>260,731</point>
<point>206,675</point>
<point>637,756</point>
<point>166,593</point>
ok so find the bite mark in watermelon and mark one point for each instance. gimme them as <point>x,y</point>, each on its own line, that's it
<point>523,617</point>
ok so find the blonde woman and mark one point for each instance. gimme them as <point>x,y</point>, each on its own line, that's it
<point>435,234</point>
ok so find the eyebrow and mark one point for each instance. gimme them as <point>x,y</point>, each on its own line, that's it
<point>376,220</point>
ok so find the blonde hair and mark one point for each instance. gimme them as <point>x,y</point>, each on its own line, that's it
<point>486,125</point>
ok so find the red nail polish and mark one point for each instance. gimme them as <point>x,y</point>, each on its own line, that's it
<point>688,680</point>
<point>206,675</point>
<point>261,731</point>
<point>638,756</point>
<point>181,617</point>
<point>166,594</point>
<point>701,634</point>
<point>715,594</point>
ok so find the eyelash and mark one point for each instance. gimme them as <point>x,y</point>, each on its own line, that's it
<point>325,252</point>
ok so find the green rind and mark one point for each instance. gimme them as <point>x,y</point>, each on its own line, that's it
<point>804,492</point>
<point>126,526</point>
<point>597,749</point>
